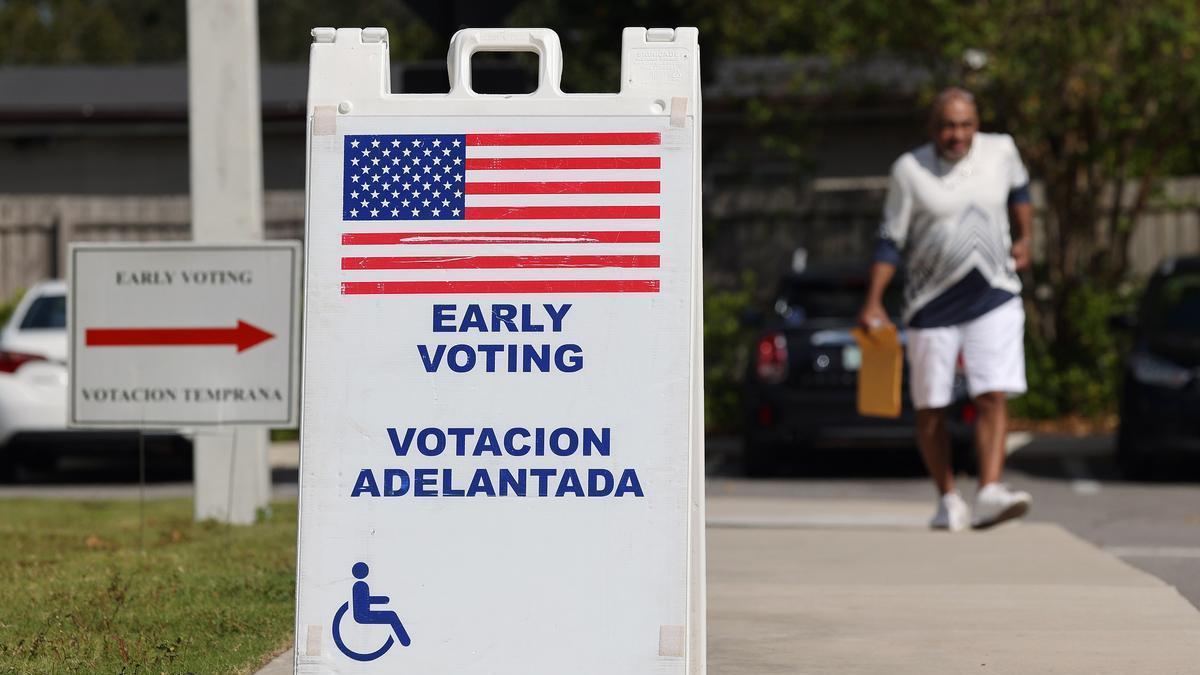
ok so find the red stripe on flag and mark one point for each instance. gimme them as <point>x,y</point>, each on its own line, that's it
<point>611,138</point>
<point>534,163</point>
<point>548,286</point>
<point>559,212</point>
<point>587,237</point>
<point>597,187</point>
<point>493,262</point>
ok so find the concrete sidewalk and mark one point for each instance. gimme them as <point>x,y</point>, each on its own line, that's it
<point>831,586</point>
<point>896,598</point>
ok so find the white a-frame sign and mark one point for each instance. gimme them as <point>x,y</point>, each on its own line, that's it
<point>502,422</point>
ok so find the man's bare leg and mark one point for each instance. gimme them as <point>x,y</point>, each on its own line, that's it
<point>934,441</point>
<point>994,503</point>
<point>991,428</point>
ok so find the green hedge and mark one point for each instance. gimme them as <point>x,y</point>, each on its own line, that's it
<point>9,306</point>
<point>1078,372</point>
<point>726,342</point>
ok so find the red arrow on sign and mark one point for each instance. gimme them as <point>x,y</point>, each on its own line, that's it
<point>244,335</point>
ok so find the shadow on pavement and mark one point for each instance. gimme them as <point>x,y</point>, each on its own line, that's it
<point>724,458</point>
<point>1094,458</point>
<point>120,468</point>
<point>1179,469</point>
<point>1052,457</point>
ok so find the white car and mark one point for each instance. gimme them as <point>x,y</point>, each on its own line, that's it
<point>33,363</point>
<point>33,390</point>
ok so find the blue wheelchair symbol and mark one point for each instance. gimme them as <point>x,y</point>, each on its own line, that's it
<point>360,602</point>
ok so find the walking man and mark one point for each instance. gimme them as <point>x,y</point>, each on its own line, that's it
<point>947,217</point>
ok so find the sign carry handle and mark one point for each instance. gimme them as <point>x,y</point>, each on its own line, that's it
<point>541,41</point>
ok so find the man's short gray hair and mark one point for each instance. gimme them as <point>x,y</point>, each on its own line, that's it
<point>944,97</point>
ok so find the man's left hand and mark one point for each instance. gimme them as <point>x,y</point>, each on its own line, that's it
<point>1022,253</point>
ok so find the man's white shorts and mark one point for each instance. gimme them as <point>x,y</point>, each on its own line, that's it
<point>993,352</point>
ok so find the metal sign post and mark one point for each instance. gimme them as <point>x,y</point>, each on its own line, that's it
<point>225,131</point>
<point>187,336</point>
<point>502,440</point>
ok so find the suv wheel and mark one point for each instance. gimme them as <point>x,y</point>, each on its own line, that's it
<point>963,456</point>
<point>1135,463</point>
<point>759,459</point>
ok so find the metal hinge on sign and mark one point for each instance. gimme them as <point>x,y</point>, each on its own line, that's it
<point>325,35</point>
<point>374,35</point>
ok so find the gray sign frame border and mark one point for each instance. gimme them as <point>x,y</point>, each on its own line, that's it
<point>294,247</point>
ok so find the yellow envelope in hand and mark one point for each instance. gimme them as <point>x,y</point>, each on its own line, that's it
<point>880,373</point>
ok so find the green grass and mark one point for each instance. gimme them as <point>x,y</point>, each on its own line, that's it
<point>77,595</point>
<point>278,435</point>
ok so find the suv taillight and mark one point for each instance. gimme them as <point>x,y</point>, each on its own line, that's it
<point>10,361</point>
<point>772,359</point>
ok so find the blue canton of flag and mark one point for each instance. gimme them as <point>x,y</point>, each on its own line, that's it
<point>404,177</point>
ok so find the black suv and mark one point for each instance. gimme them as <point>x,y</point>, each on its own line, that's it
<point>801,382</point>
<point>1160,395</point>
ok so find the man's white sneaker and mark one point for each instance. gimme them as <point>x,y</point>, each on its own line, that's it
<point>952,513</point>
<point>995,504</point>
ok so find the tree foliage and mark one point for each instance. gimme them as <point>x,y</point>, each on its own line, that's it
<point>1101,96</point>
<point>284,27</point>
<point>61,32</point>
<point>77,31</point>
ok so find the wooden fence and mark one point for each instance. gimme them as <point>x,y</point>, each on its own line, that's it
<point>757,228</point>
<point>747,227</point>
<point>36,229</point>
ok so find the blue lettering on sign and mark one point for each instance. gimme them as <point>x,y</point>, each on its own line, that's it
<point>483,482</point>
<point>365,484</point>
<point>487,443</point>
<point>498,318</point>
<point>516,442</point>
<point>426,483</point>
<point>512,483</point>
<point>570,483</point>
<point>600,484</point>
<point>510,441</point>
<point>431,442</point>
<point>395,482</point>
<point>492,443</point>
<point>629,485</point>
<point>506,358</point>
<point>494,357</point>
<point>543,480</point>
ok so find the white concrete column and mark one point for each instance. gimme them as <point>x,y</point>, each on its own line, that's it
<point>225,132</point>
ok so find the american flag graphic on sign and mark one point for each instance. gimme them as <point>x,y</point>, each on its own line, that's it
<point>594,198</point>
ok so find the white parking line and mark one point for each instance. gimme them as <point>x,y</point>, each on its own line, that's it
<point>819,521</point>
<point>1017,440</point>
<point>1154,551</point>
<point>1082,481</point>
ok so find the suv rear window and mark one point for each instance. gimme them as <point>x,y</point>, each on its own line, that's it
<point>832,298</point>
<point>48,311</point>
<point>1174,306</point>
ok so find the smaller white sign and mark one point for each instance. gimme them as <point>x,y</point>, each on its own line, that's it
<point>184,334</point>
